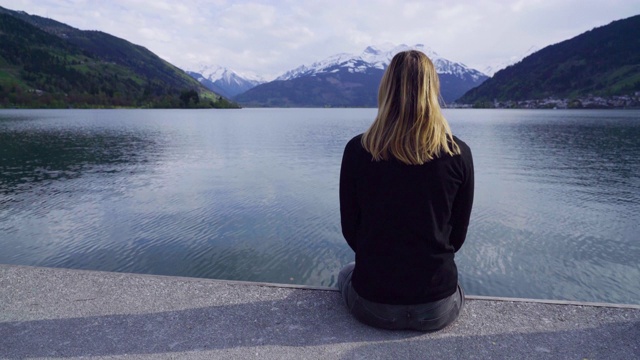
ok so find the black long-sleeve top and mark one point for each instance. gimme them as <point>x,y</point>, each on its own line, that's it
<point>405,223</point>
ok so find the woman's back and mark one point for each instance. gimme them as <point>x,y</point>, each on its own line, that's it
<point>411,222</point>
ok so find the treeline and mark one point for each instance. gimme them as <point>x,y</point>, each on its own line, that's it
<point>14,96</point>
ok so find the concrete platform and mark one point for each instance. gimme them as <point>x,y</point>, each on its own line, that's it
<point>58,313</point>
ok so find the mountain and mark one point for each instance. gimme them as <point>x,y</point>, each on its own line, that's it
<point>45,63</point>
<point>225,81</point>
<point>347,80</point>
<point>604,61</point>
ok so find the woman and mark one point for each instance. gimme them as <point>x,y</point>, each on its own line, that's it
<point>406,191</point>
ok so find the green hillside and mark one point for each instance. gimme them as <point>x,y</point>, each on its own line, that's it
<point>602,62</point>
<point>47,64</point>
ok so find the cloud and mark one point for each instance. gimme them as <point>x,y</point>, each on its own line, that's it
<point>271,37</point>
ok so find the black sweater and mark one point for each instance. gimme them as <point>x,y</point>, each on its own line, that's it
<point>405,222</point>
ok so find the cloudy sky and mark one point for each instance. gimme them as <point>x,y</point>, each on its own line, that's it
<point>268,38</point>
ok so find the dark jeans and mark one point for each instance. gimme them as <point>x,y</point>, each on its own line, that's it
<point>422,317</point>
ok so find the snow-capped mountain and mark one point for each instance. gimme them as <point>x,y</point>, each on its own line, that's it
<point>379,57</point>
<point>348,80</point>
<point>225,81</point>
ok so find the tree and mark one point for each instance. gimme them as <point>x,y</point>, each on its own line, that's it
<point>187,95</point>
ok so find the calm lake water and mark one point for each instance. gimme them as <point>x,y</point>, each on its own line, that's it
<point>252,195</point>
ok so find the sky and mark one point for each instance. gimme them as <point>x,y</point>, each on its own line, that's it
<point>268,38</point>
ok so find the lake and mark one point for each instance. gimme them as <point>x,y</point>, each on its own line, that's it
<point>252,195</point>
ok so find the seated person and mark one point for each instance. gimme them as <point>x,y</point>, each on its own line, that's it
<point>406,192</point>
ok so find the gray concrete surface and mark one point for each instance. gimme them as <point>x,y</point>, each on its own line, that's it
<point>58,313</point>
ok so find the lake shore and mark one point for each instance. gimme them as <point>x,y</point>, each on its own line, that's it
<point>50,312</point>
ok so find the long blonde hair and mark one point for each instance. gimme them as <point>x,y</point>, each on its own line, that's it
<point>409,125</point>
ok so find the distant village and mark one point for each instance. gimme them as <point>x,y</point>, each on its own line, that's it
<point>589,102</point>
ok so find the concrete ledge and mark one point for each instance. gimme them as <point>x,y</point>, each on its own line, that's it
<point>59,313</point>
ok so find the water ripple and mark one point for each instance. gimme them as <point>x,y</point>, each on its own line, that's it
<point>252,195</point>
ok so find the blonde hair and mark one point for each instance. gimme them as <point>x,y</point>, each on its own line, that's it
<point>409,125</point>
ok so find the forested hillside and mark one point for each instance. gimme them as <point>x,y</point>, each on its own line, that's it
<point>603,62</point>
<point>44,63</point>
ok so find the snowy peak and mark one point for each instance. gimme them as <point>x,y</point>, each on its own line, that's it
<point>224,80</point>
<point>379,57</point>
<point>317,67</point>
<point>218,73</point>
<point>384,54</point>
<point>370,50</point>
<point>347,80</point>
<point>211,72</point>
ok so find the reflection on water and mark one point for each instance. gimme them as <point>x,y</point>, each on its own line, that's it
<point>30,156</point>
<point>252,195</point>
<point>557,209</point>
